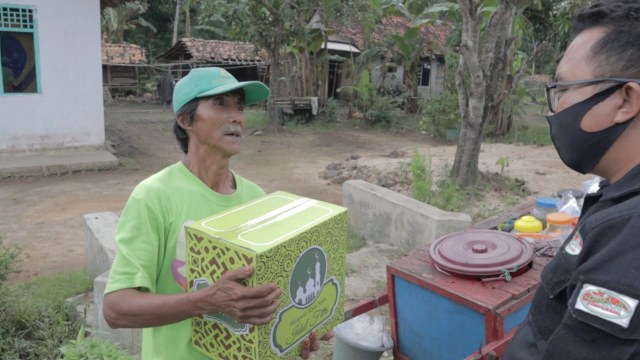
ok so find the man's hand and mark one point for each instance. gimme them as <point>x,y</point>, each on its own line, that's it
<point>312,344</point>
<point>249,305</point>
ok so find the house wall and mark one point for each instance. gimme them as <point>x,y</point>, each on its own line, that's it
<point>436,83</point>
<point>393,80</point>
<point>68,111</point>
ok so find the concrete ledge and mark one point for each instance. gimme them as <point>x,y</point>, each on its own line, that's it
<point>384,216</point>
<point>38,163</point>
<point>131,339</point>
<point>100,250</point>
<point>99,241</point>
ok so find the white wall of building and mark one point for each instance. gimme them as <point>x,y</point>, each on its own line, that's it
<point>68,112</point>
<point>395,79</point>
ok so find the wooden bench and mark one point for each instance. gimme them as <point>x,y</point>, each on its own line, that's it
<point>306,105</point>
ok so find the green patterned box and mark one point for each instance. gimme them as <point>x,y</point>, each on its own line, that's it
<point>295,242</point>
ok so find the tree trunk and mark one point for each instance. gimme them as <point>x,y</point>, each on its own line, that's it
<point>499,71</point>
<point>276,88</point>
<point>323,88</point>
<point>503,119</point>
<point>411,102</point>
<point>187,19</point>
<point>480,79</point>
<point>176,22</point>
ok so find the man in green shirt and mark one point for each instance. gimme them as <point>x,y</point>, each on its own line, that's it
<point>147,285</point>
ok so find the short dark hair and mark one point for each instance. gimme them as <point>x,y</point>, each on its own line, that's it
<point>188,110</point>
<point>617,53</point>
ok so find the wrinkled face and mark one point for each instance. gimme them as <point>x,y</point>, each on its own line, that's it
<point>217,125</point>
<point>576,65</point>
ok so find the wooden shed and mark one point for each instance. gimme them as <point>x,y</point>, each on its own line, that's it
<point>119,73</point>
<point>242,60</point>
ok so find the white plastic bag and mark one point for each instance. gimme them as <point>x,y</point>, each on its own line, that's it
<point>569,205</point>
<point>592,185</point>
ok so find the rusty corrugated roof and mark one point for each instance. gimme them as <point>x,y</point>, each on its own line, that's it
<point>122,54</point>
<point>214,51</point>
<point>436,34</point>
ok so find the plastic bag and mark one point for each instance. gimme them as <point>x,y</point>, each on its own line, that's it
<point>592,185</point>
<point>569,205</point>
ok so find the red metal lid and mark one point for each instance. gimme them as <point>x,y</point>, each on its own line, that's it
<point>481,253</point>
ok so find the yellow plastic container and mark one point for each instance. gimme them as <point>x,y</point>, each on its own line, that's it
<point>527,224</point>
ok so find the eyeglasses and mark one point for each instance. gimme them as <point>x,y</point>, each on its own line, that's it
<point>554,90</point>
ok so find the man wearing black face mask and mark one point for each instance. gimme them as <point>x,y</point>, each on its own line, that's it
<point>587,304</point>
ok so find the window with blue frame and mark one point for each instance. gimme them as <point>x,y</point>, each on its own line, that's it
<point>19,49</point>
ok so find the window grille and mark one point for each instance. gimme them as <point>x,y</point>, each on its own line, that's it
<point>13,18</point>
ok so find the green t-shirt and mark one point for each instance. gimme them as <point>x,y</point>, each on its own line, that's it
<point>152,247</point>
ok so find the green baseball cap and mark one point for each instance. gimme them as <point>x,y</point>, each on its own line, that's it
<point>202,82</point>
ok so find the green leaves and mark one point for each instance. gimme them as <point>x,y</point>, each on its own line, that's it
<point>91,348</point>
<point>116,20</point>
<point>450,9</point>
<point>408,44</point>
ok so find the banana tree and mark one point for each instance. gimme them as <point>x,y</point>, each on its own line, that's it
<point>116,20</point>
<point>408,46</point>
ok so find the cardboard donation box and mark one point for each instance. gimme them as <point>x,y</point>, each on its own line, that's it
<point>295,242</point>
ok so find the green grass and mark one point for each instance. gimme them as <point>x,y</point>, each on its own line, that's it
<point>255,119</point>
<point>526,133</point>
<point>128,163</point>
<point>34,323</point>
<point>449,196</point>
<point>315,125</point>
<point>422,176</point>
<point>53,290</point>
<point>91,348</point>
<point>354,242</point>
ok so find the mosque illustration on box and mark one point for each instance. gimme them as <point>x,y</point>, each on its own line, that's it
<point>308,276</point>
<point>311,289</point>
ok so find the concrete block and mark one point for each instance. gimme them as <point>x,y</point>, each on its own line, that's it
<point>130,339</point>
<point>99,241</point>
<point>384,216</point>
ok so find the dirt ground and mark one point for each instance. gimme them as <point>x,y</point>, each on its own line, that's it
<point>44,215</point>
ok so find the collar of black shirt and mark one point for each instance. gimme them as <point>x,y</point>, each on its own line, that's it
<point>630,183</point>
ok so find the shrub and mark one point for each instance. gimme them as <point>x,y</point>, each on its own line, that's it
<point>8,256</point>
<point>91,348</point>
<point>383,112</point>
<point>330,111</point>
<point>33,320</point>
<point>422,181</point>
<point>441,113</point>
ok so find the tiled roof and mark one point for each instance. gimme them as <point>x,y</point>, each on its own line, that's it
<point>214,51</point>
<point>119,54</point>
<point>436,34</point>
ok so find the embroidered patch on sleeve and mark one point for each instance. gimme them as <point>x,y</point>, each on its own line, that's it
<point>574,247</point>
<point>606,304</point>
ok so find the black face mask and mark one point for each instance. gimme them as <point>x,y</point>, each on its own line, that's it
<point>578,149</point>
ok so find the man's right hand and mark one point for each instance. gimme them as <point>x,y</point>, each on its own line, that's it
<point>250,305</point>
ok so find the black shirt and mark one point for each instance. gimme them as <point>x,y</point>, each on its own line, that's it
<point>587,304</point>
